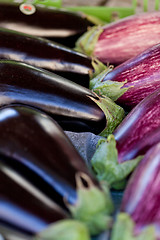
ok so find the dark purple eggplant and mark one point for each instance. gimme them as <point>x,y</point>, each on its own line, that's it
<point>52,23</point>
<point>46,54</point>
<point>74,107</point>
<point>24,207</point>
<point>28,211</point>
<point>132,81</point>
<point>140,205</point>
<point>134,136</point>
<point>35,147</point>
<point>6,233</point>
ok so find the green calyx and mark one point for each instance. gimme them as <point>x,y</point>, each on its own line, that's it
<point>124,229</point>
<point>98,78</point>
<point>111,89</point>
<point>93,206</point>
<point>106,167</point>
<point>98,68</point>
<point>64,230</point>
<point>95,20</point>
<point>114,114</point>
<point>86,43</point>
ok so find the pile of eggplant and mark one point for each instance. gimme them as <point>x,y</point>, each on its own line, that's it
<point>55,97</point>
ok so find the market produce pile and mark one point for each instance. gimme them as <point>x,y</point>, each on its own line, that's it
<point>62,71</point>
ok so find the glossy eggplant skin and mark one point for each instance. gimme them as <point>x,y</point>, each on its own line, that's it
<point>22,206</point>
<point>67,102</point>
<point>9,234</point>
<point>139,130</point>
<point>45,22</point>
<point>46,54</point>
<point>141,74</point>
<point>36,147</point>
<point>141,197</point>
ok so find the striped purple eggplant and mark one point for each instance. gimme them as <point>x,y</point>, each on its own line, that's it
<point>119,41</point>
<point>140,207</point>
<point>134,136</point>
<point>131,81</point>
<point>133,131</point>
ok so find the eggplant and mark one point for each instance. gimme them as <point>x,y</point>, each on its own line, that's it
<point>74,107</point>
<point>46,54</point>
<point>10,234</point>
<point>132,81</point>
<point>26,210</point>
<point>119,41</point>
<point>123,150</point>
<point>135,128</point>
<point>35,147</point>
<point>21,208</point>
<point>48,22</point>
<point>140,204</point>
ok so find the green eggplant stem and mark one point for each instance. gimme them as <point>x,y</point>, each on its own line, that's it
<point>86,43</point>
<point>124,229</point>
<point>109,88</point>
<point>98,68</point>
<point>114,114</point>
<point>106,167</point>
<point>64,230</point>
<point>93,207</point>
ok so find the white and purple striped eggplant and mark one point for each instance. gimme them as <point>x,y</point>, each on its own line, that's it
<point>121,40</point>
<point>132,81</point>
<point>140,209</point>
<point>117,156</point>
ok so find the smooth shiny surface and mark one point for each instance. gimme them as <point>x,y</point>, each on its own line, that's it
<point>21,208</point>
<point>45,22</point>
<point>37,148</point>
<point>45,54</point>
<point>134,134</point>
<point>68,103</point>
<point>9,234</point>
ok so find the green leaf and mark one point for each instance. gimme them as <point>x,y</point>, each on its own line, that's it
<point>114,114</point>
<point>124,229</point>
<point>105,163</point>
<point>98,68</point>
<point>88,40</point>
<point>98,78</point>
<point>93,206</point>
<point>95,20</point>
<point>64,230</point>
<point>111,89</point>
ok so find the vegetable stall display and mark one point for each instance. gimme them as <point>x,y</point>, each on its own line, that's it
<point>46,189</point>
